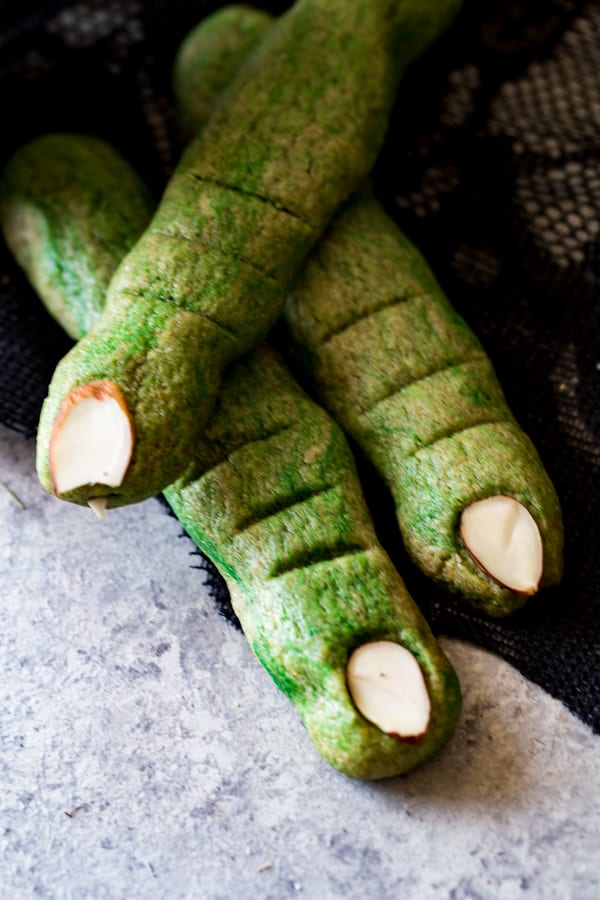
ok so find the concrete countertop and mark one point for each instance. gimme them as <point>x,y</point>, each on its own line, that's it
<point>146,754</point>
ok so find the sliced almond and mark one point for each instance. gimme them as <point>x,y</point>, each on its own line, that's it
<point>93,437</point>
<point>387,686</point>
<point>503,538</point>
<point>98,506</point>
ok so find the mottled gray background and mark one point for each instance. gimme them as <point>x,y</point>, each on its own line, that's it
<point>146,754</point>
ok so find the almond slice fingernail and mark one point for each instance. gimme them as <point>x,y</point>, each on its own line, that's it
<point>503,538</point>
<point>92,440</point>
<point>387,686</point>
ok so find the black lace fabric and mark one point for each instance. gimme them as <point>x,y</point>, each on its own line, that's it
<point>492,167</point>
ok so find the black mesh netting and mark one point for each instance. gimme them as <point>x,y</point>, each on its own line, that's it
<point>492,166</point>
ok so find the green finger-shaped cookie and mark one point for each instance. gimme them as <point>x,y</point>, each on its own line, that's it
<point>273,499</point>
<point>293,135</point>
<point>386,354</point>
<point>209,58</point>
<point>70,259</point>
<point>407,379</point>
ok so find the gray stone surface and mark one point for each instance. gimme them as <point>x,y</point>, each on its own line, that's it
<point>145,753</point>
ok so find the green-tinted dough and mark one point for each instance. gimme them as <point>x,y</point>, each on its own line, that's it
<point>209,58</point>
<point>398,368</point>
<point>70,259</point>
<point>289,140</point>
<point>273,498</point>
